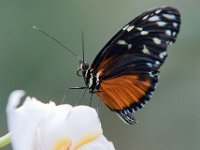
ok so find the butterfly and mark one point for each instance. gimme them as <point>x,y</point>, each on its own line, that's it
<point>125,72</point>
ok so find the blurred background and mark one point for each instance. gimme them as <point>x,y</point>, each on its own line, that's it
<point>41,67</point>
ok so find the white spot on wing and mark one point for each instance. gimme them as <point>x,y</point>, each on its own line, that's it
<point>122,42</point>
<point>133,110</point>
<point>158,11</point>
<point>144,33</point>
<point>169,16</point>
<point>161,23</point>
<point>167,42</point>
<point>154,18</point>
<point>150,73</point>
<point>144,102</point>
<point>142,105</point>
<point>157,63</point>
<point>175,24</point>
<point>139,28</point>
<point>124,28</point>
<point>149,64</point>
<point>174,33</point>
<point>157,41</point>
<point>145,50</point>
<point>168,32</point>
<point>163,54</point>
<point>130,46</point>
<point>145,17</point>
<point>130,28</point>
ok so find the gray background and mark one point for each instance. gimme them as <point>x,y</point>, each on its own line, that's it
<point>34,63</point>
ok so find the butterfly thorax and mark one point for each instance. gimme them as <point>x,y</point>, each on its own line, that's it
<point>91,80</point>
<point>90,77</point>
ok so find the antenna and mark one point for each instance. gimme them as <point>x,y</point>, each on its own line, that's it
<point>82,41</point>
<point>51,37</point>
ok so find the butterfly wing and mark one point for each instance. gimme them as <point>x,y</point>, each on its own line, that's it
<point>128,64</point>
<point>129,85</point>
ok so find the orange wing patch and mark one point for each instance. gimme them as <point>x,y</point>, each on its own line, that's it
<point>123,91</point>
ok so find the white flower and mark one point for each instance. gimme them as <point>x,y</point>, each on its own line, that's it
<point>39,126</point>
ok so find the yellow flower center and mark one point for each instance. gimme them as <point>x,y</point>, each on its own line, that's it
<point>63,144</point>
<point>66,143</point>
<point>87,139</point>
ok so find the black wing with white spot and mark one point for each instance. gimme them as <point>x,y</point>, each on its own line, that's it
<point>147,35</point>
<point>127,67</point>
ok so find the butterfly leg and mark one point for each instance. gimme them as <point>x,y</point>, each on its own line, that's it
<point>81,99</point>
<point>98,105</point>
<point>64,97</point>
<point>91,99</point>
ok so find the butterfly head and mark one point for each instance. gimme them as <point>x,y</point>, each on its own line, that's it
<point>83,67</point>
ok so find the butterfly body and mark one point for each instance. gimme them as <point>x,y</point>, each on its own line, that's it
<point>91,80</point>
<point>124,74</point>
<point>89,76</point>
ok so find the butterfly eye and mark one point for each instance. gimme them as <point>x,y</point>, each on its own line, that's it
<point>84,66</point>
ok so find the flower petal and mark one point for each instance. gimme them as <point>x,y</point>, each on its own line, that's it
<point>39,126</point>
<point>53,127</point>
<point>84,121</point>
<point>22,122</point>
<point>99,144</point>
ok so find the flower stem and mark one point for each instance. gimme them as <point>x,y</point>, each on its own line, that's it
<point>5,140</point>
